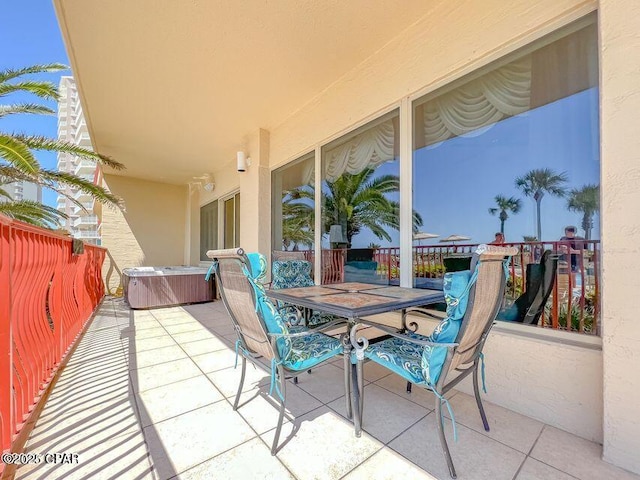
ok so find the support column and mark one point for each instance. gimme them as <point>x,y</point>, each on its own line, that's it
<point>620,217</point>
<point>255,197</point>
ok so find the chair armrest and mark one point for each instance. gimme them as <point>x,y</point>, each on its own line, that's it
<point>308,332</point>
<point>294,317</point>
<point>394,333</point>
<point>422,311</point>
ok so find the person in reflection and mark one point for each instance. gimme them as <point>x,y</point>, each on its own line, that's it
<point>499,240</point>
<point>572,244</point>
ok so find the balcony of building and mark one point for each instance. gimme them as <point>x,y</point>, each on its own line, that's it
<point>149,394</point>
<point>426,99</point>
<point>84,167</point>
<point>85,221</point>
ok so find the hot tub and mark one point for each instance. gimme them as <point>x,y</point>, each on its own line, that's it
<point>146,287</point>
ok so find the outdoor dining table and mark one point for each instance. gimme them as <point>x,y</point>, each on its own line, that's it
<point>353,301</point>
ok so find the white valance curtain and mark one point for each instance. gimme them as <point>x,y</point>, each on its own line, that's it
<point>367,149</point>
<point>501,93</point>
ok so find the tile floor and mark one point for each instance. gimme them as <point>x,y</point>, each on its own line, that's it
<point>148,394</point>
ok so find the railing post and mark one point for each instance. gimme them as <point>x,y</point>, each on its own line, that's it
<point>6,377</point>
<point>37,280</point>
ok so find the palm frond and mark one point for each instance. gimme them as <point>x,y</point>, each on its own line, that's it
<point>17,153</point>
<point>32,212</point>
<point>10,74</point>
<point>5,194</point>
<point>9,174</point>
<point>25,108</point>
<point>39,142</point>
<point>45,90</point>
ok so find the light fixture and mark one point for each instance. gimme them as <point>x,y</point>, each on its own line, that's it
<point>203,181</point>
<point>335,234</point>
<point>243,162</point>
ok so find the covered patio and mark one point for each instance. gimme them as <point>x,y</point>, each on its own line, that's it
<point>148,394</point>
<point>179,93</point>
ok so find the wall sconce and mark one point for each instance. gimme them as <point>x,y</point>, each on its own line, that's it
<point>335,236</point>
<point>243,162</point>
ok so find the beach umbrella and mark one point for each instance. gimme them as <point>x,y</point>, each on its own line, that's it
<point>454,238</point>
<point>424,236</point>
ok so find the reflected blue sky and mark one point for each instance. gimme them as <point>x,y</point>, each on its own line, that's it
<point>455,182</point>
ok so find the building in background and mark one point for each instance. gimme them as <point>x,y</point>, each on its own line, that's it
<point>72,127</point>
<point>24,191</point>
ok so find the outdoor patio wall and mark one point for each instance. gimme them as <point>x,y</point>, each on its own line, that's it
<point>151,231</point>
<point>452,40</point>
<point>555,377</point>
<point>620,150</point>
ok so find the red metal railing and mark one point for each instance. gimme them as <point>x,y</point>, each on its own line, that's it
<point>332,264</point>
<point>574,303</point>
<point>47,294</point>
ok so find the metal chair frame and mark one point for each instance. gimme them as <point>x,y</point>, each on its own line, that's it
<point>268,341</point>
<point>472,355</point>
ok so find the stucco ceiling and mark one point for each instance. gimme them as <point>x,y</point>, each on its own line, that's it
<point>172,88</point>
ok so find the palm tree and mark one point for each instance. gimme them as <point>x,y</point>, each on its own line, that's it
<point>505,205</point>
<point>356,201</point>
<point>17,159</point>
<point>297,218</point>
<point>537,182</point>
<point>585,200</point>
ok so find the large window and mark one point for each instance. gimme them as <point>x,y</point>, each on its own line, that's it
<point>232,221</point>
<point>208,229</point>
<point>293,204</point>
<point>511,155</point>
<point>360,204</point>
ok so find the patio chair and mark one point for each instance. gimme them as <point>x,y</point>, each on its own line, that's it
<point>286,255</point>
<point>294,274</point>
<point>539,281</point>
<point>260,328</point>
<point>454,350</point>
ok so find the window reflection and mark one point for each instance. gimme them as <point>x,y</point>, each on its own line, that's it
<point>511,155</point>
<point>293,205</point>
<point>360,204</point>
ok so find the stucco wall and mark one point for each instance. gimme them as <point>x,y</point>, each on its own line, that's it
<point>592,393</point>
<point>548,380</point>
<point>620,149</point>
<point>554,377</point>
<point>255,198</point>
<point>454,39</point>
<point>151,231</point>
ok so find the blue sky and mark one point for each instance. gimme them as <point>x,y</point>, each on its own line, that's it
<point>454,183</point>
<point>30,36</point>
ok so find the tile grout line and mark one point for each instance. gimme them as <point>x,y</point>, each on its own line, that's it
<point>136,410</point>
<point>225,399</point>
<point>544,426</point>
<point>529,453</point>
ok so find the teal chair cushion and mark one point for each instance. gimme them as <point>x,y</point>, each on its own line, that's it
<point>291,274</point>
<point>258,264</point>
<point>399,356</point>
<point>297,353</point>
<point>456,295</point>
<point>423,364</point>
<point>308,351</point>
<point>509,314</point>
